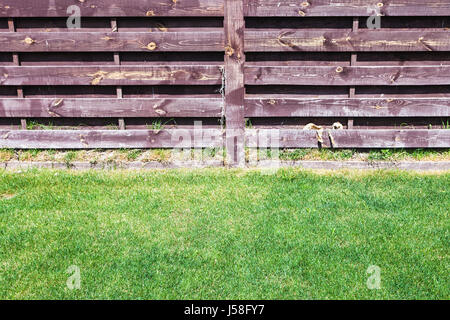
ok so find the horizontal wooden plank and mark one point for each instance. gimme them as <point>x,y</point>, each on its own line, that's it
<point>347,75</point>
<point>113,8</point>
<point>137,8</point>
<point>349,8</point>
<point>288,107</point>
<point>110,139</point>
<point>343,40</point>
<point>383,138</point>
<point>110,75</point>
<point>111,41</point>
<point>105,108</point>
<point>186,138</point>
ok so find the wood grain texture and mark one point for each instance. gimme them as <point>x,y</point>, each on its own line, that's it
<point>353,62</point>
<point>332,40</point>
<point>347,75</point>
<point>16,61</point>
<point>119,91</point>
<point>111,8</point>
<point>234,82</point>
<point>160,8</point>
<point>131,38</point>
<point>110,41</point>
<point>255,107</point>
<point>111,75</point>
<point>110,139</point>
<point>382,138</point>
<point>348,8</point>
<point>111,108</point>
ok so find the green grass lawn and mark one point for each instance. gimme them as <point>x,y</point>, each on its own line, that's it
<point>218,234</point>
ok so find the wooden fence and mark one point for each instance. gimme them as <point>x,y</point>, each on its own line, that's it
<point>141,73</point>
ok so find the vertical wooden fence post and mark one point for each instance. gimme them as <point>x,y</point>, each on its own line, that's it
<point>114,28</point>
<point>353,60</point>
<point>234,82</point>
<point>16,61</point>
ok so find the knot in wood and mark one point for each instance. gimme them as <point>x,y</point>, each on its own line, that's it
<point>229,51</point>
<point>151,46</point>
<point>28,40</point>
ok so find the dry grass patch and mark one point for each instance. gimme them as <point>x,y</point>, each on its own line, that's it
<point>6,155</point>
<point>168,155</point>
<point>7,196</point>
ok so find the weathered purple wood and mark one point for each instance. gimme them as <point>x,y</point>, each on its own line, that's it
<point>255,107</point>
<point>330,8</point>
<point>347,75</point>
<point>204,39</point>
<point>106,108</point>
<point>116,55</point>
<point>256,41</point>
<point>353,60</point>
<point>343,40</point>
<point>110,139</point>
<point>106,8</point>
<point>111,75</point>
<point>16,61</point>
<point>111,8</point>
<point>110,41</point>
<point>234,82</point>
<point>383,138</point>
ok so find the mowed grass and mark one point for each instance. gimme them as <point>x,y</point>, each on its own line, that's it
<point>218,234</point>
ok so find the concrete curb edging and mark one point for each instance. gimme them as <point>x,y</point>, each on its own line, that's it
<point>373,165</point>
<point>324,165</point>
